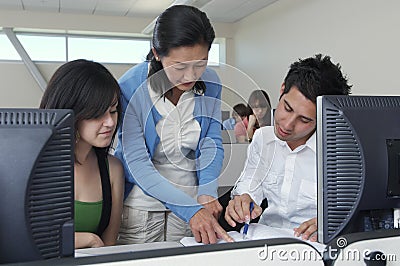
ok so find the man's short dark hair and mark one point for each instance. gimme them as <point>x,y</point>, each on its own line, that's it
<point>315,76</point>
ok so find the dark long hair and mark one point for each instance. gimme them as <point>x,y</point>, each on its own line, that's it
<point>86,87</point>
<point>178,26</point>
<point>262,98</point>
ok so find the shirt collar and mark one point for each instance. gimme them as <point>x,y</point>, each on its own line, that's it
<point>310,143</point>
<point>157,96</point>
<point>153,95</point>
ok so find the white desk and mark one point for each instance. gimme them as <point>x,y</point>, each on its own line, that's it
<point>258,252</point>
<point>87,252</point>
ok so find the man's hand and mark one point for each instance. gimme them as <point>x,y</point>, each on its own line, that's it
<point>238,210</point>
<point>211,204</point>
<point>206,229</point>
<point>307,229</point>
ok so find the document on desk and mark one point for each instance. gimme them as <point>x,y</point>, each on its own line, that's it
<point>190,241</point>
<point>255,232</point>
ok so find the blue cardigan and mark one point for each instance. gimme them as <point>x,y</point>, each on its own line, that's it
<point>137,140</point>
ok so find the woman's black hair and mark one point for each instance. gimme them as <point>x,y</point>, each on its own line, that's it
<point>87,88</point>
<point>177,26</point>
<point>242,110</point>
<point>261,96</point>
<point>263,100</point>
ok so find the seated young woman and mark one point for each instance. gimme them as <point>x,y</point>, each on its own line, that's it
<point>91,91</point>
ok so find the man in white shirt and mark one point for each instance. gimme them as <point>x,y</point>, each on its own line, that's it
<point>281,160</point>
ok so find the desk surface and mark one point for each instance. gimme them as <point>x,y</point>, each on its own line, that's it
<point>87,252</point>
<point>167,253</point>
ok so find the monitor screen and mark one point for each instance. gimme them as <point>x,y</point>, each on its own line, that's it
<point>358,158</point>
<point>36,184</point>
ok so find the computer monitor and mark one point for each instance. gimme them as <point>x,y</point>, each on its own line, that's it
<point>36,184</point>
<point>225,115</point>
<point>358,162</point>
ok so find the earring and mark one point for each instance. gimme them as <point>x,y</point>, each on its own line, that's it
<point>157,58</point>
<point>77,137</point>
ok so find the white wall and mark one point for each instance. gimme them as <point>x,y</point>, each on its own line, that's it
<point>19,89</point>
<point>361,35</point>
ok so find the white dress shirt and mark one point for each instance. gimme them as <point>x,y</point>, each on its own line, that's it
<point>174,156</point>
<point>288,179</point>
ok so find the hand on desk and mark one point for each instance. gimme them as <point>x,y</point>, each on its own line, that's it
<point>211,204</point>
<point>87,240</point>
<point>307,229</point>
<point>205,228</point>
<point>238,210</point>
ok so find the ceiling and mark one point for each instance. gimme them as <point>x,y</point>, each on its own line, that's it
<point>217,10</point>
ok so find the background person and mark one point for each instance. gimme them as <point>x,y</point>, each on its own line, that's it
<point>229,124</point>
<point>260,105</point>
<point>241,113</point>
<point>91,91</point>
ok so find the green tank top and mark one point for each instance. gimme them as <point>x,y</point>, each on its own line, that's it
<point>87,216</point>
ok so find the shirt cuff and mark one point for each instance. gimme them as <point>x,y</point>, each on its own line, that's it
<point>254,196</point>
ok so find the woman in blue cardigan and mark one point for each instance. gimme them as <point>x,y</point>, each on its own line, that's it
<point>170,140</point>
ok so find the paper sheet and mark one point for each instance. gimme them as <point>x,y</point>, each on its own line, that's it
<point>257,231</point>
<point>190,241</point>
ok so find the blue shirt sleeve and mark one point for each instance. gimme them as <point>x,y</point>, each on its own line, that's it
<point>135,154</point>
<point>210,150</point>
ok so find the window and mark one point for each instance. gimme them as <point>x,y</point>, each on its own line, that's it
<point>59,47</point>
<point>213,55</point>
<point>108,50</point>
<point>44,48</point>
<point>7,51</point>
<point>63,48</point>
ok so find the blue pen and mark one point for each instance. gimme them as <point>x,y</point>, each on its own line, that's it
<point>246,225</point>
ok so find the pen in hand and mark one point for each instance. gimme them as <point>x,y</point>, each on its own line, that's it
<point>246,225</point>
